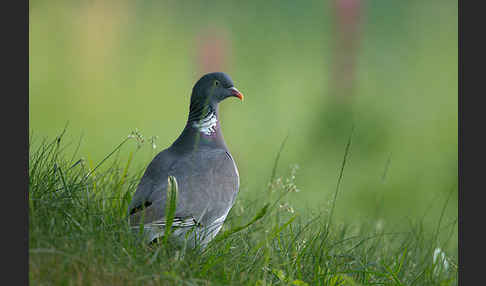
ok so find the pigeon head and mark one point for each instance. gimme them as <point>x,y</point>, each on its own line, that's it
<point>210,90</point>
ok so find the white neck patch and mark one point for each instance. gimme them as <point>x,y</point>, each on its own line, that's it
<point>207,125</point>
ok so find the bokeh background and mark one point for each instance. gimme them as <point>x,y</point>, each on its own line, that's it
<point>309,70</point>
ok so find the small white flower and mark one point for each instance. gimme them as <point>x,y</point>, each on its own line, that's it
<point>287,207</point>
<point>379,225</point>
<point>440,261</point>
<point>152,141</point>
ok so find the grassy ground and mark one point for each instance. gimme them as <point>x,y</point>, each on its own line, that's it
<point>79,235</point>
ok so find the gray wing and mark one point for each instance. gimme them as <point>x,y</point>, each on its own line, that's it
<point>208,183</point>
<point>155,177</point>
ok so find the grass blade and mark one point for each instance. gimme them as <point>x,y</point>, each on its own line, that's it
<point>170,207</point>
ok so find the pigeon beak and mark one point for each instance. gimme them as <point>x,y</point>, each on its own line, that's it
<point>235,92</point>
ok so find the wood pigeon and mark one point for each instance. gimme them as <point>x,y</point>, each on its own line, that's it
<point>206,174</point>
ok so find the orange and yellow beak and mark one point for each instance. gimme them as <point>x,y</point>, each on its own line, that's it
<point>236,93</point>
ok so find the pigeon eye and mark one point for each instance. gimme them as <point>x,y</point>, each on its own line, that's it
<point>216,82</point>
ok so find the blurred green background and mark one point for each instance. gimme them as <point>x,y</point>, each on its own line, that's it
<point>310,70</point>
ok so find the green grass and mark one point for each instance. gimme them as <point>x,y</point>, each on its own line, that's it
<point>79,234</point>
